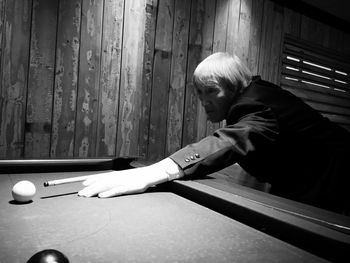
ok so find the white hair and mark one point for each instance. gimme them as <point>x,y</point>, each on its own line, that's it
<point>222,69</point>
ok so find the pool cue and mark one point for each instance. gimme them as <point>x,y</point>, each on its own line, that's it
<point>66,180</point>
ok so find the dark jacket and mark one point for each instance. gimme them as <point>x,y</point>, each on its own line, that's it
<point>279,139</point>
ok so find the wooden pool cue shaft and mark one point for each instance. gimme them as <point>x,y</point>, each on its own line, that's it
<point>66,180</point>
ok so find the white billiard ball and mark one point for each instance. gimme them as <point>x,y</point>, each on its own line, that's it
<point>23,191</point>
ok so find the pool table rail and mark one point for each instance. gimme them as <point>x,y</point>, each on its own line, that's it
<point>314,236</point>
<point>65,165</point>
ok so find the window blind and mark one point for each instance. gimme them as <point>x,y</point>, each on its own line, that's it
<point>319,76</point>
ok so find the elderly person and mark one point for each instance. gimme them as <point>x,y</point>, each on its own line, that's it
<point>269,132</point>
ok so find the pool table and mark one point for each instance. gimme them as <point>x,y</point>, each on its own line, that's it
<point>207,220</point>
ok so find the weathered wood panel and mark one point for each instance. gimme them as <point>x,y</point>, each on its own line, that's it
<point>110,77</point>
<point>242,39</point>
<point>345,47</point>
<point>161,80</point>
<point>232,40</point>
<point>224,11</point>
<point>66,79</point>
<point>2,48</point>
<point>255,35</point>
<point>314,31</point>
<point>270,49</point>
<point>14,77</point>
<point>292,21</point>
<point>276,46</point>
<point>337,41</point>
<point>178,76</point>
<point>114,77</point>
<point>89,78</point>
<point>41,79</point>
<point>2,17</point>
<point>207,49</point>
<point>200,46</point>
<point>131,78</point>
<point>146,87</point>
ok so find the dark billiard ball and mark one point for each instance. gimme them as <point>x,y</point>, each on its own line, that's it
<point>48,256</point>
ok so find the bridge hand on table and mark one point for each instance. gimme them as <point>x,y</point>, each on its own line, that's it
<point>130,181</point>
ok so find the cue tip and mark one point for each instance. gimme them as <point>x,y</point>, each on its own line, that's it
<point>46,184</point>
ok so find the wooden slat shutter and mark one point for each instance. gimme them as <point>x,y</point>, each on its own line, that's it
<point>319,76</point>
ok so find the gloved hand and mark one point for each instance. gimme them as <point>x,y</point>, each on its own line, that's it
<point>130,181</point>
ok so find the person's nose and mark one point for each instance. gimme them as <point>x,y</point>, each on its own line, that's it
<point>205,103</point>
<point>204,100</point>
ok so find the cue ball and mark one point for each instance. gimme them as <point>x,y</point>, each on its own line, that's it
<point>23,191</point>
<point>48,256</point>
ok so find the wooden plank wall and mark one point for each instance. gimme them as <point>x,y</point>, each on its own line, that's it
<point>84,78</point>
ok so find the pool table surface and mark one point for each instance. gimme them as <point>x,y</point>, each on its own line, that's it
<point>207,220</point>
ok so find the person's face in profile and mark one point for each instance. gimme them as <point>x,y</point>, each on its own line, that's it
<point>216,101</point>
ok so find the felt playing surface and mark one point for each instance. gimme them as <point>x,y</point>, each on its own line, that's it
<point>156,226</point>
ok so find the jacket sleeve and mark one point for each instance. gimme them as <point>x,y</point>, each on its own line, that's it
<point>256,127</point>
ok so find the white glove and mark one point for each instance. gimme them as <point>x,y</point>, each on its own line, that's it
<point>130,181</point>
